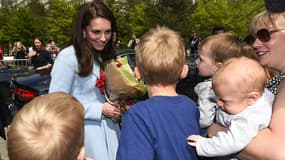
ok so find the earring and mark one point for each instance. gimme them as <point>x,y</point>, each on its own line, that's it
<point>84,35</point>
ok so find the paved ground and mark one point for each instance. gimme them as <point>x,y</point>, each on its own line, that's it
<point>3,150</point>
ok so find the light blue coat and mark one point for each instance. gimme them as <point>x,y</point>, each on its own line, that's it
<point>101,134</point>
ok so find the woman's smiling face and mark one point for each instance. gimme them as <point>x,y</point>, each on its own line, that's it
<point>99,33</point>
<point>271,53</point>
<point>38,44</point>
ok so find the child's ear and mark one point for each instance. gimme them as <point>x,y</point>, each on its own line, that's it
<point>137,73</point>
<point>184,71</point>
<point>253,97</point>
<point>81,154</point>
<point>219,64</point>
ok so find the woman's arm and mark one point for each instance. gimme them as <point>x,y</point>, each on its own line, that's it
<point>30,56</point>
<point>270,142</point>
<point>44,67</point>
<point>63,73</point>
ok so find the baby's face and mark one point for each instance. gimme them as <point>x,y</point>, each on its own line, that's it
<point>229,99</point>
<point>205,64</point>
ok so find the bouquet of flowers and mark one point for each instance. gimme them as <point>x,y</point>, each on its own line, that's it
<point>118,82</point>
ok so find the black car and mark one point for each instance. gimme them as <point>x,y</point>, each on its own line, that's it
<point>6,74</point>
<point>28,85</point>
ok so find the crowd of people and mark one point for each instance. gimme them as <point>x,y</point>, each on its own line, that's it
<point>238,115</point>
<point>39,56</point>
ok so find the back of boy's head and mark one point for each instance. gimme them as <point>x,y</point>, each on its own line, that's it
<point>222,46</point>
<point>50,127</point>
<point>245,74</point>
<point>160,56</point>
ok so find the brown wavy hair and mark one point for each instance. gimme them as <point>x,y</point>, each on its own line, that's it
<point>86,54</point>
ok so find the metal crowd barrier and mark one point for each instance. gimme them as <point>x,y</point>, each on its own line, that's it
<point>10,61</point>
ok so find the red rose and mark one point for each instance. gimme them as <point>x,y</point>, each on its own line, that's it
<point>128,105</point>
<point>103,76</point>
<point>102,90</point>
<point>99,83</point>
<point>119,64</point>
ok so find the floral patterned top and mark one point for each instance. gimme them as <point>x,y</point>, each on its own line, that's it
<point>274,83</point>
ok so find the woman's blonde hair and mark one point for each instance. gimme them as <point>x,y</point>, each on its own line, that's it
<point>160,56</point>
<point>50,127</point>
<point>266,19</point>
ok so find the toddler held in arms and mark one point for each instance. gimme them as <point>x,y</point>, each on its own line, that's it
<point>244,107</point>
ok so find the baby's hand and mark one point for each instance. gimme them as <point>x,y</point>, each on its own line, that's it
<point>192,140</point>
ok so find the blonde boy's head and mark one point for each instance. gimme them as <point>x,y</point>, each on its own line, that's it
<point>242,75</point>
<point>48,127</point>
<point>160,56</point>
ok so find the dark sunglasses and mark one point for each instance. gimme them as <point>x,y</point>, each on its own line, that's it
<point>264,35</point>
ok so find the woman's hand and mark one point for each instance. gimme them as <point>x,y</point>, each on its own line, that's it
<point>33,53</point>
<point>111,111</point>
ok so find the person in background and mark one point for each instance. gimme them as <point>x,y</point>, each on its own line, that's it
<point>156,128</point>
<point>268,27</point>
<point>76,70</point>
<point>49,127</point>
<point>40,58</point>
<point>133,42</point>
<point>194,43</point>
<point>242,103</point>
<point>1,55</point>
<point>19,52</point>
<point>218,29</point>
<point>53,50</point>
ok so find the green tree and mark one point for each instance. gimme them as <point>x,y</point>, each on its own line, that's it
<point>25,23</point>
<point>3,22</point>
<point>133,17</point>
<point>137,20</point>
<point>173,14</point>
<point>121,15</point>
<point>4,42</point>
<point>142,15</point>
<point>234,15</point>
<point>59,20</point>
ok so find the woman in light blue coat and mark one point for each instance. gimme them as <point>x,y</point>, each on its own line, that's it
<point>76,70</point>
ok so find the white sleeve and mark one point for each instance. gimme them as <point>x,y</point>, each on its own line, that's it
<point>242,128</point>
<point>225,143</point>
